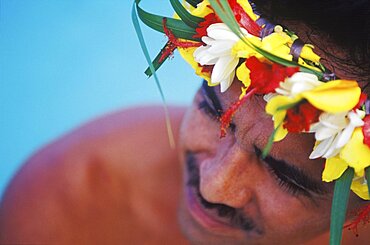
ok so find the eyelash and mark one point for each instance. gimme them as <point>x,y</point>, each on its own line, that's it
<point>288,186</point>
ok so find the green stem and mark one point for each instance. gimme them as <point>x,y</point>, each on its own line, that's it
<point>339,206</point>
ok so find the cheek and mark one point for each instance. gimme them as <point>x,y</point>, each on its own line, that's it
<point>298,217</point>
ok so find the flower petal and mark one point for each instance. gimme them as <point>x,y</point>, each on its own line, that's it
<point>220,31</point>
<point>323,133</point>
<point>224,67</point>
<point>321,148</point>
<point>243,75</point>
<point>359,186</point>
<point>187,55</point>
<point>334,96</point>
<point>225,84</point>
<point>356,153</point>
<point>279,115</point>
<point>334,168</point>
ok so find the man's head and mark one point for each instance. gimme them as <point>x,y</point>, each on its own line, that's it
<point>237,190</point>
<point>231,195</point>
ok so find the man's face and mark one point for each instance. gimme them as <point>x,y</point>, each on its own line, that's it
<point>231,195</point>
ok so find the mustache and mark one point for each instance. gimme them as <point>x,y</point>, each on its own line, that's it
<point>235,216</point>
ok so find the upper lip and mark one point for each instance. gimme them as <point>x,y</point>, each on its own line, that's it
<point>207,217</point>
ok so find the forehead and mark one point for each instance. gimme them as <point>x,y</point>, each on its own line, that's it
<point>254,127</point>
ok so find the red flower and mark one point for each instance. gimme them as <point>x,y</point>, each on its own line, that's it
<point>174,42</point>
<point>207,69</point>
<point>300,118</point>
<point>362,100</point>
<point>266,77</point>
<point>240,15</point>
<point>366,130</point>
<point>208,20</point>
<point>244,19</point>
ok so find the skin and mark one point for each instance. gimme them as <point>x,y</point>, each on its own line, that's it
<point>116,180</point>
<point>96,186</point>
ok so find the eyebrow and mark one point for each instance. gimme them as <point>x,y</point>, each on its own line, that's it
<point>211,95</point>
<point>292,175</point>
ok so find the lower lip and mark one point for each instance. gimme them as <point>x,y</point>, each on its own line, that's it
<point>201,217</point>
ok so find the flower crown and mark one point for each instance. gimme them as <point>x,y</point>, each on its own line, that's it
<point>227,39</point>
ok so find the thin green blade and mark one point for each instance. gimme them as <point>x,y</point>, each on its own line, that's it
<point>157,62</point>
<point>193,3</point>
<point>223,10</point>
<point>178,27</point>
<point>339,206</point>
<point>189,19</point>
<point>269,144</point>
<point>144,48</point>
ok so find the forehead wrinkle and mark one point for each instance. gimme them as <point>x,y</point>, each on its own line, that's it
<point>252,123</point>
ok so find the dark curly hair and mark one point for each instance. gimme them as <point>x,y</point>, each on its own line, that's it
<point>346,22</point>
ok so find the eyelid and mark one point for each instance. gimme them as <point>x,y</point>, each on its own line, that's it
<point>207,109</point>
<point>209,95</point>
<point>305,186</point>
<point>288,184</point>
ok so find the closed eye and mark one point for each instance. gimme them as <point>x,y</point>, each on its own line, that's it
<point>291,178</point>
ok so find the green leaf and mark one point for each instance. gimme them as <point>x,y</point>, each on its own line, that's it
<point>144,48</point>
<point>193,3</point>
<point>156,62</point>
<point>269,144</point>
<point>178,27</point>
<point>339,206</point>
<point>367,174</point>
<point>189,19</point>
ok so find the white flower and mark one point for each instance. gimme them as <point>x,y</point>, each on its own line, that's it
<point>294,85</point>
<point>333,131</point>
<point>218,52</point>
<point>298,83</point>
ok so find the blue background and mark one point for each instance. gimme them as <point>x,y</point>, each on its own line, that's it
<point>64,62</point>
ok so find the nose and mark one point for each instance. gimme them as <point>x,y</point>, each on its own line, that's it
<point>229,177</point>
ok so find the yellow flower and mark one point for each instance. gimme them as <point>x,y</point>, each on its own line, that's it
<point>202,9</point>
<point>248,9</point>
<point>334,168</point>
<point>308,54</point>
<point>354,154</point>
<point>334,96</point>
<point>187,55</point>
<point>278,43</point>
<point>243,50</point>
<point>359,186</point>
<point>273,108</point>
<point>242,74</point>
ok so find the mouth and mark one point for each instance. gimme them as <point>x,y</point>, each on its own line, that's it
<point>213,217</point>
